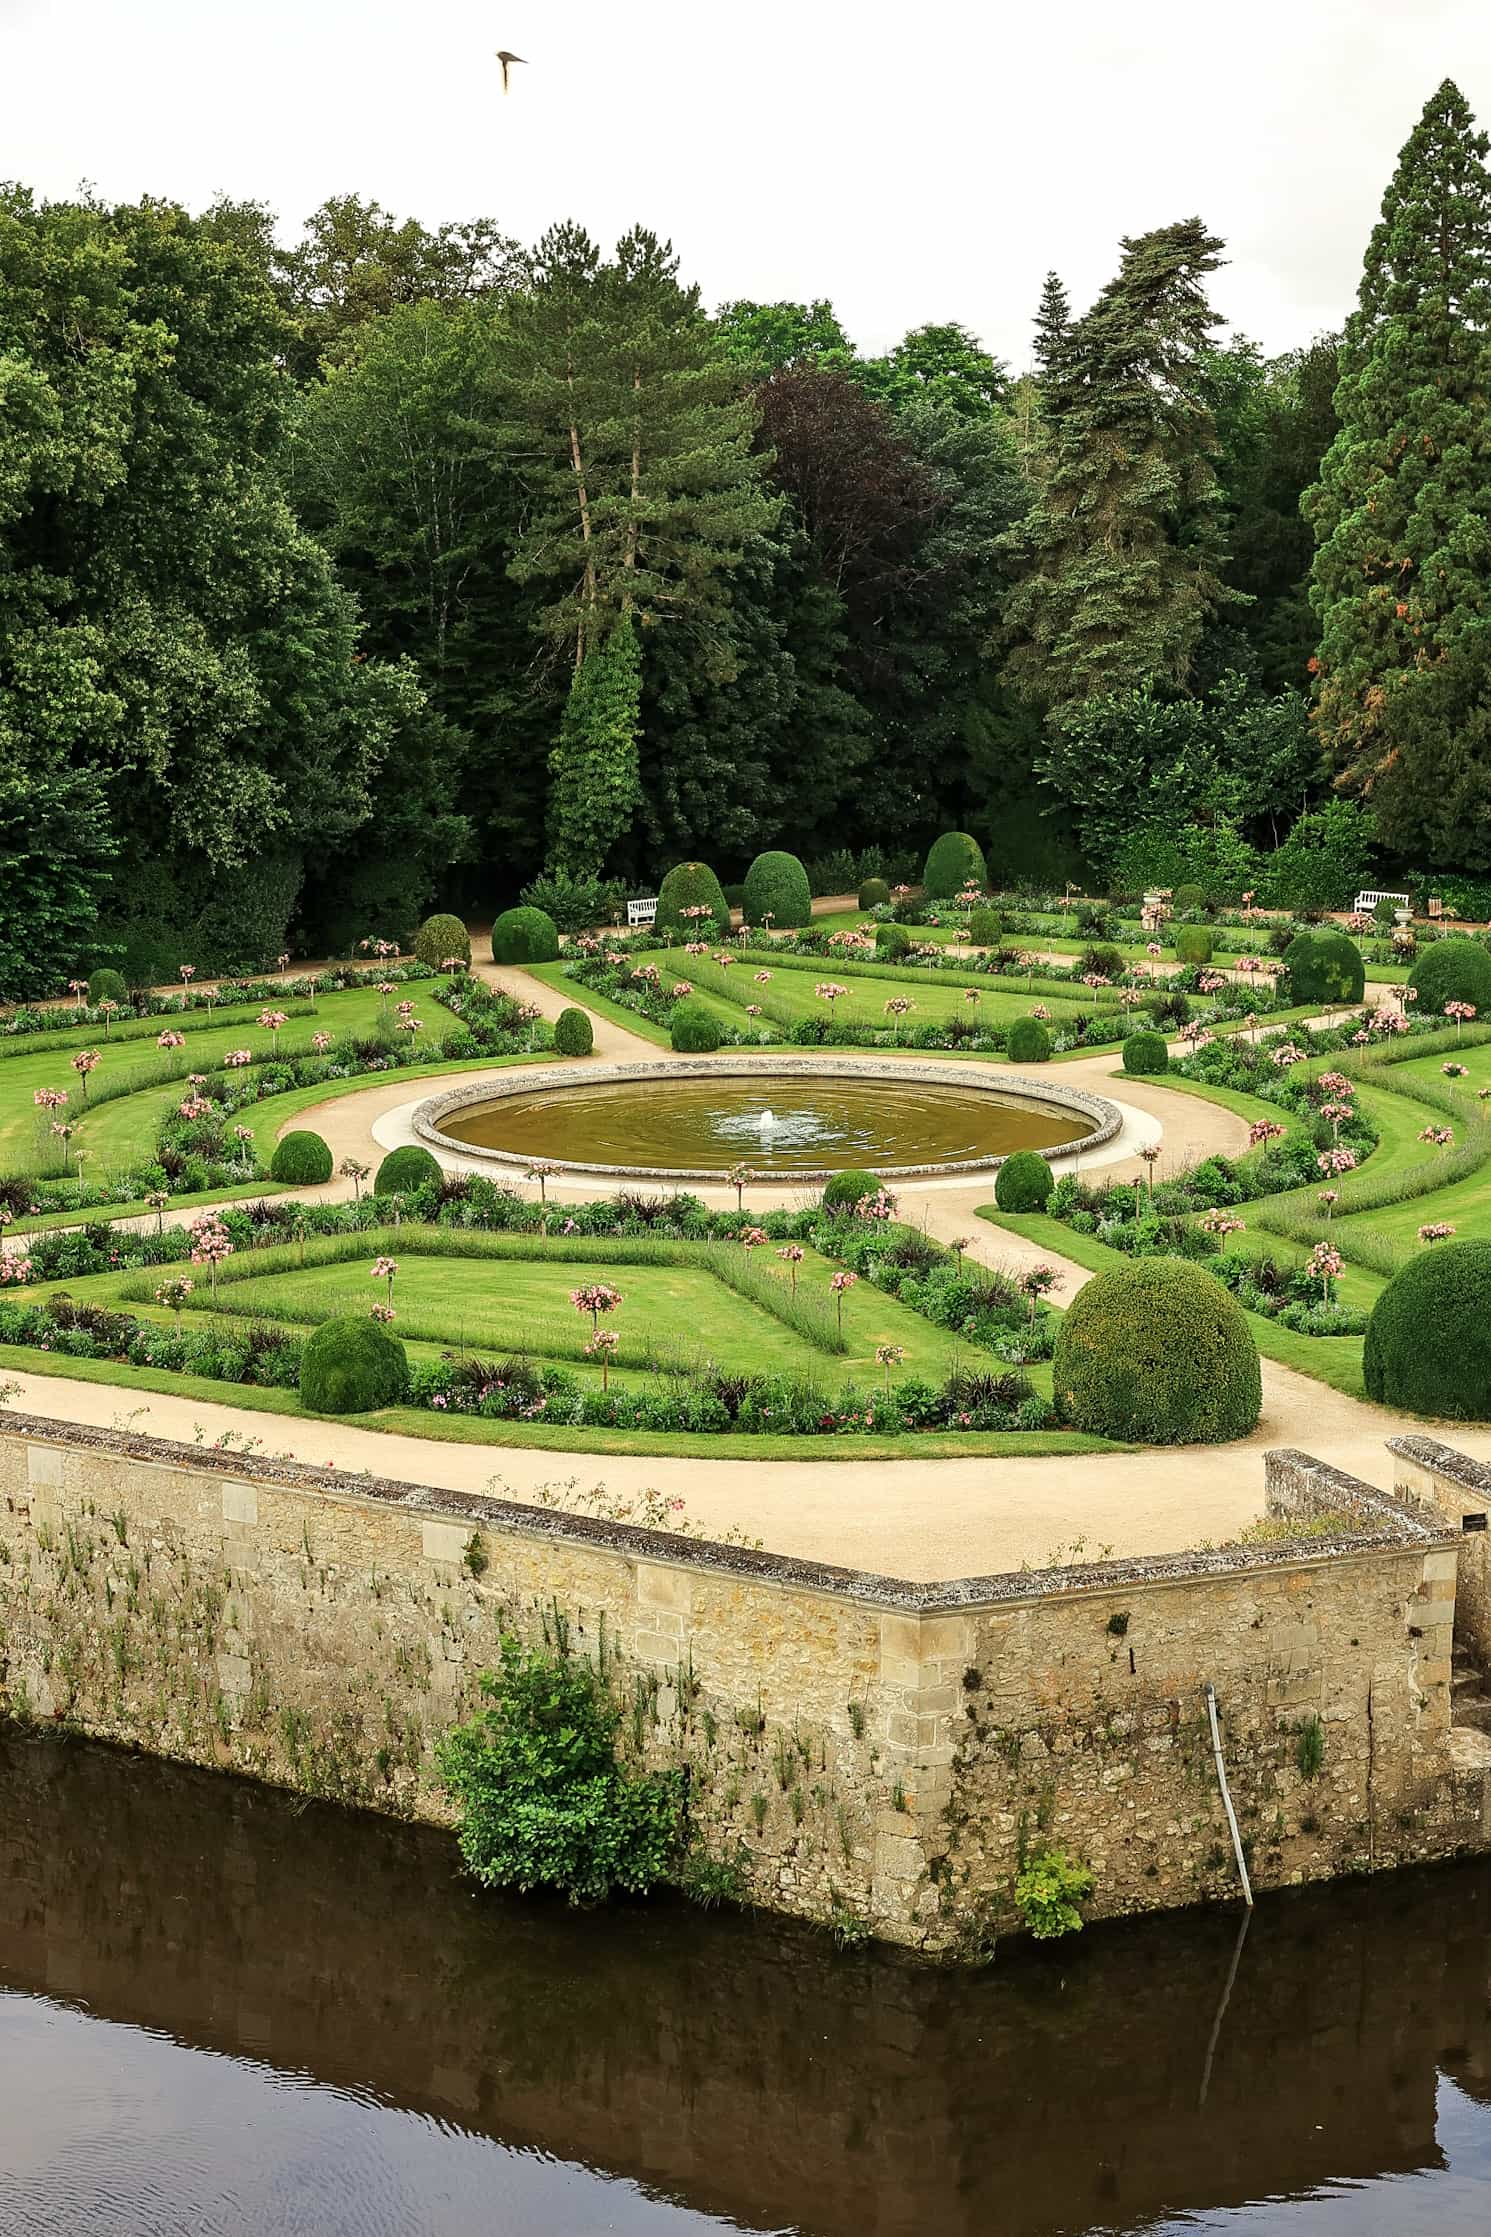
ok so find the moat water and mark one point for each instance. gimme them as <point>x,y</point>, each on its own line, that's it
<point>225,2014</point>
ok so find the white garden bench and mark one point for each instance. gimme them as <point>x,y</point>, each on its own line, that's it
<point>641,912</point>
<point>1367,900</point>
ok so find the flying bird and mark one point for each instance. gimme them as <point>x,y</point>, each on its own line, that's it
<point>507,60</point>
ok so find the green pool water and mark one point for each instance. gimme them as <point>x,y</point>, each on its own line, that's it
<point>782,1124</point>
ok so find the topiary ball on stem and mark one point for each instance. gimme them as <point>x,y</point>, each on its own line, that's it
<point>1157,1353</point>
<point>1428,1342</point>
<point>1027,1042</point>
<point>1023,1183</point>
<point>693,1028</point>
<point>874,893</point>
<point>352,1366</point>
<point>692,885</point>
<point>107,986</point>
<point>1145,1053</point>
<point>953,861</point>
<point>574,1035</point>
<point>525,936</point>
<point>1322,965</point>
<point>776,886</point>
<point>440,938</point>
<point>1452,971</point>
<point>302,1158</point>
<point>405,1169</point>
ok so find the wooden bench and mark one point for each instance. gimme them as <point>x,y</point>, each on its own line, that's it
<point>641,912</point>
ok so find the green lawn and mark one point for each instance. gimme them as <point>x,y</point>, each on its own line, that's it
<point>789,992</point>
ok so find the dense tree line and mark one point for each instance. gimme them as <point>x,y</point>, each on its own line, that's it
<point>403,565</point>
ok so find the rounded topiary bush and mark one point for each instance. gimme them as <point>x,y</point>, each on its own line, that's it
<point>1145,1052</point>
<point>984,928</point>
<point>874,893</point>
<point>404,1170</point>
<point>1428,1342</point>
<point>1454,970</point>
<point>1157,1353</point>
<point>525,936</point>
<point>1186,897</point>
<point>847,1189</point>
<point>1027,1042</point>
<point>302,1158</point>
<point>952,861</point>
<point>1022,1183</point>
<point>1323,965</point>
<point>892,940</point>
<point>692,885</point>
<point>777,886</point>
<point>695,1030</point>
<point>439,938</point>
<point>574,1035</point>
<point>1193,944</point>
<point>352,1366</point>
<point>107,986</point>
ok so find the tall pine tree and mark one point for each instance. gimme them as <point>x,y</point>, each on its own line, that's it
<point>1121,548</point>
<point>1402,510</point>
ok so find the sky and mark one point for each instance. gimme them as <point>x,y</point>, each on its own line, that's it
<point>911,164</point>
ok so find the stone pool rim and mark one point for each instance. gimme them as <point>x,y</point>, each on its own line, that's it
<point>1106,1118</point>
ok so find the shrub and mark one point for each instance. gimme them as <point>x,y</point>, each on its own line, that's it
<point>575,904</point>
<point>777,884</point>
<point>846,1189</point>
<point>1144,1053</point>
<point>1193,944</point>
<point>544,1801</point>
<point>1102,957</point>
<point>1027,1042</point>
<point>984,928</point>
<point>734,895</point>
<point>695,1030</point>
<point>691,885</point>
<point>406,1169</point>
<point>1428,1343</point>
<point>574,1035</point>
<point>874,893</point>
<point>892,940</point>
<point>1323,965</point>
<point>1187,897</point>
<point>1023,1183</point>
<point>952,861</point>
<point>301,1158</point>
<point>107,986</point>
<point>352,1366</point>
<point>439,938</point>
<point>525,936</point>
<point>1157,1352</point>
<point>1455,970</point>
<point>1048,1888</point>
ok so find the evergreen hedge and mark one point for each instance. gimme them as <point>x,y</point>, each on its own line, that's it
<point>406,1169</point>
<point>574,1034</point>
<point>777,884</point>
<point>951,861</point>
<point>1428,1343</point>
<point>301,1158</point>
<point>1144,1053</point>
<point>1455,970</point>
<point>1022,1183</point>
<point>691,885</point>
<point>439,938</point>
<point>525,936</point>
<point>1323,965</point>
<point>693,1028</point>
<point>352,1366</point>
<point>1157,1353</point>
<point>1027,1042</point>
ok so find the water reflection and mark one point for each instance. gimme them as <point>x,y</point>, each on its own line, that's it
<point>229,2014</point>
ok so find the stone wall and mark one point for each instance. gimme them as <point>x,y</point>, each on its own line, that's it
<point>866,1752</point>
<point>1457,1490</point>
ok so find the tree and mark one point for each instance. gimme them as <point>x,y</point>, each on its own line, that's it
<point>55,845</point>
<point>1432,797</point>
<point>355,262</point>
<point>1121,547</point>
<point>1403,558</point>
<point>594,764</point>
<point>945,364</point>
<point>1053,325</point>
<point>766,338</point>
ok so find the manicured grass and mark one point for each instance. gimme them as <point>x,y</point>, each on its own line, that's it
<point>935,999</point>
<point>1335,1360</point>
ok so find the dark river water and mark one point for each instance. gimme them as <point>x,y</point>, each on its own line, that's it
<point>224,2013</point>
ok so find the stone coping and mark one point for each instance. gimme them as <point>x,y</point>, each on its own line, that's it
<point>1105,1118</point>
<point>1387,1526</point>
<point>1457,1467</point>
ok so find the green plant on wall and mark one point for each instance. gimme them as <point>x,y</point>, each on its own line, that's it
<point>1309,1746</point>
<point>1048,1888</point>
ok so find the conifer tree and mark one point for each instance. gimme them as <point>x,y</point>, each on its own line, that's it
<point>1403,560</point>
<point>1121,547</point>
<point>594,764</point>
<point>1053,321</point>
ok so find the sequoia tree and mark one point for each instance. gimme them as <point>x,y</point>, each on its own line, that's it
<point>1121,547</point>
<point>1402,511</point>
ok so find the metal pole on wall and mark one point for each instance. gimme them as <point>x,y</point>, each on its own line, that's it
<point>1216,1749</point>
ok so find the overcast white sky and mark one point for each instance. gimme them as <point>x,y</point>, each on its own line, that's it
<point>912,163</point>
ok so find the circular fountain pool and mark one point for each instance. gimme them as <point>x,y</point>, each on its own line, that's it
<point>798,1118</point>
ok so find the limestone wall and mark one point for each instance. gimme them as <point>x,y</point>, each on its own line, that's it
<point>864,1750</point>
<point>1456,1489</point>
